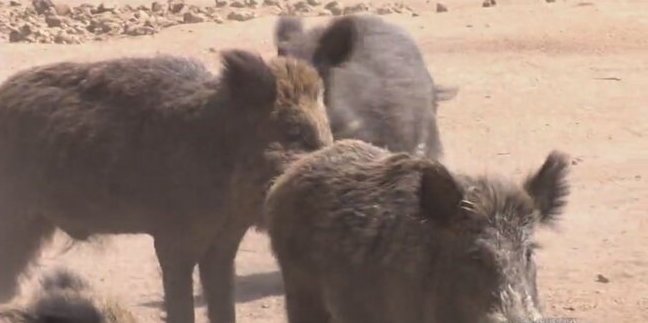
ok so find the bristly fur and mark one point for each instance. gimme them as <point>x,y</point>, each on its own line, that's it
<point>295,81</point>
<point>64,297</point>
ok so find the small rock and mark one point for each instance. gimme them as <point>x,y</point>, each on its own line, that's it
<point>164,22</point>
<point>334,8</point>
<point>602,279</point>
<point>53,21</point>
<point>62,9</point>
<point>42,6</point>
<point>314,2</point>
<point>441,7</point>
<point>241,15</point>
<point>15,36</point>
<point>126,9</point>
<point>489,3</point>
<point>105,7</point>
<point>64,38</point>
<point>271,2</point>
<point>550,1</point>
<point>237,4</point>
<point>21,34</point>
<point>140,30</point>
<point>142,15</point>
<point>193,18</point>
<point>105,24</point>
<point>195,9</point>
<point>175,6</point>
<point>14,3</point>
<point>386,10</point>
<point>221,3</point>
<point>360,7</point>
<point>26,29</point>
<point>251,3</point>
<point>76,30</point>
<point>302,6</point>
<point>157,7</point>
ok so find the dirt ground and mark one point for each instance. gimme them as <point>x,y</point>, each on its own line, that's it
<point>532,76</point>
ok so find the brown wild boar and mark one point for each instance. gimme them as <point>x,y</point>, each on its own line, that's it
<point>152,145</point>
<point>378,88</point>
<point>364,235</point>
<point>62,296</point>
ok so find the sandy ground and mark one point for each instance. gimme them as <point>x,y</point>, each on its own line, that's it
<point>532,76</point>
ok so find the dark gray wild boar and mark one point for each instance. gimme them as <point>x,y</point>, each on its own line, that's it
<point>152,145</point>
<point>378,88</point>
<point>364,235</point>
<point>62,296</point>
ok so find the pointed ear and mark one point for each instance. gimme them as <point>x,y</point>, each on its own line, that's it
<point>286,28</point>
<point>249,80</point>
<point>439,195</point>
<point>336,43</point>
<point>548,187</point>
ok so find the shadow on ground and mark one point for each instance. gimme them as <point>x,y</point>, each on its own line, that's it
<point>248,288</point>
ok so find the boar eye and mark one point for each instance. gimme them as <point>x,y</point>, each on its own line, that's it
<point>530,250</point>
<point>281,51</point>
<point>529,254</point>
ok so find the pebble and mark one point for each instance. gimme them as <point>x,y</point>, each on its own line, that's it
<point>193,18</point>
<point>241,15</point>
<point>334,7</point>
<point>53,21</point>
<point>175,6</point>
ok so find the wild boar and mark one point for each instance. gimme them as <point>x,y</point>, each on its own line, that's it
<point>378,88</point>
<point>365,235</point>
<point>159,146</point>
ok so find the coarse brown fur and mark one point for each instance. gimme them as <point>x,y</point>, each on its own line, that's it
<point>152,145</point>
<point>365,235</point>
<point>62,296</point>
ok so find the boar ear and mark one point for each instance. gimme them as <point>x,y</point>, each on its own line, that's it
<point>287,27</point>
<point>440,195</point>
<point>249,80</point>
<point>548,186</point>
<point>336,43</point>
